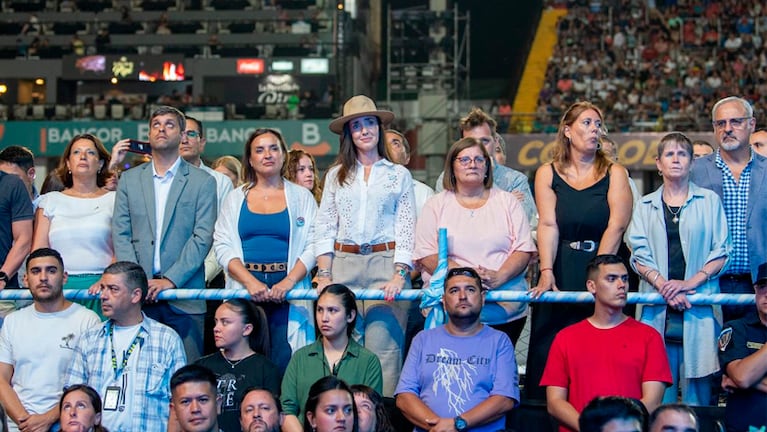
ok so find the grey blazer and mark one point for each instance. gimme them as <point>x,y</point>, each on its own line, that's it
<point>187,232</point>
<point>705,173</point>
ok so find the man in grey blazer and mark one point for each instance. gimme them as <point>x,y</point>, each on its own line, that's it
<point>163,220</point>
<point>737,175</point>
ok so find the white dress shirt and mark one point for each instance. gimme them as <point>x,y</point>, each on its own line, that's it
<point>162,186</point>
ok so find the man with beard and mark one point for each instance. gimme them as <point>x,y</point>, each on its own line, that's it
<point>260,411</point>
<point>738,175</point>
<point>37,343</point>
<point>163,220</point>
<point>462,375</point>
<point>608,353</point>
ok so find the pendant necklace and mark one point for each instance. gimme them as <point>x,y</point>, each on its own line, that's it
<point>232,364</point>
<point>675,215</point>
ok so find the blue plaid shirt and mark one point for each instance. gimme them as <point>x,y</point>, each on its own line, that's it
<point>735,201</point>
<point>161,354</point>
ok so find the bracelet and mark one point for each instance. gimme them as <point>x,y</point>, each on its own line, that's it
<point>656,278</point>
<point>708,275</point>
<point>546,268</point>
<point>291,280</point>
<point>324,273</point>
<point>650,272</point>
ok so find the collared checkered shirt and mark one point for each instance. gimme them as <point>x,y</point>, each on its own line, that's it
<point>161,354</point>
<point>735,201</point>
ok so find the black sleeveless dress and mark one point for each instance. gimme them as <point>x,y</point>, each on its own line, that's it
<point>582,215</point>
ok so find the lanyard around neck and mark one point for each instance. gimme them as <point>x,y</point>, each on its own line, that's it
<point>137,341</point>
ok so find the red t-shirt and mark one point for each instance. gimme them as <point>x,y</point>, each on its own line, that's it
<point>591,362</point>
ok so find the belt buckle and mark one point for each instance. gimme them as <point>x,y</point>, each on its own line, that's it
<point>366,249</point>
<point>585,245</point>
<point>588,245</point>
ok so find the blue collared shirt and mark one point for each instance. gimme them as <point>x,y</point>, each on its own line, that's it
<point>161,353</point>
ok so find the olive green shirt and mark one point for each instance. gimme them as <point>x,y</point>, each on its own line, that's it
<point>308,364</point>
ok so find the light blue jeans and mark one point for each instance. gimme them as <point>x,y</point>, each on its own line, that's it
<point>695,391</point>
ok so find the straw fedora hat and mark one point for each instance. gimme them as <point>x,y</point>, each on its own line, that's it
<point>359,106</point>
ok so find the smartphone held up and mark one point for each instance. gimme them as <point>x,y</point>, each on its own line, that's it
<point>140,147</point>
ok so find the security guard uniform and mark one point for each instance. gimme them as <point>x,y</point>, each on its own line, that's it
<point>746,408</point>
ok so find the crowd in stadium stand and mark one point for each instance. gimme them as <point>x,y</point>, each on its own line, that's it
<point>656,68</point>
<point>175,223</point>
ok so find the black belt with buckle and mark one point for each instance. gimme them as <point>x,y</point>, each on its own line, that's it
<point>267,268</point>
<point>741,277</point>
<point>582,245</point>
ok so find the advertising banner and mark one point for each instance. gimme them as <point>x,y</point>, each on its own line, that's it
<point>49,138</point>
<point>526,152</point>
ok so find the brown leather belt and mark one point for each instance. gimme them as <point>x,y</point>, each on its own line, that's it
<point>364,249</point>
<point>267,268</point>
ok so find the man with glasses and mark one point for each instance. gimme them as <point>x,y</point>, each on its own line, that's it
<point>608,353</point>
<point>163,220</point>
<point>738,175</point>
<point>192,145</point>
<point>478,124</point>
<point>462,375</point>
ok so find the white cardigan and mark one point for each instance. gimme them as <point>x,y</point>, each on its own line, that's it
<point>302,209</point>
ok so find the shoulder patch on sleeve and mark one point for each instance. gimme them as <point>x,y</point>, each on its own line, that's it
<point>724,338</point>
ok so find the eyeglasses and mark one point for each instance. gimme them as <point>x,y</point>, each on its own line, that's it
<point>735,123</point>
<point>193,134</point>
<point>466,160</point>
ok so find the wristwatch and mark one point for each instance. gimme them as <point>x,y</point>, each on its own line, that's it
<point>4,277</point>
<point>460,424</point>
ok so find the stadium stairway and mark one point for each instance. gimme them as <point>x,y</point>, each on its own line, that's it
<point>534,74</point>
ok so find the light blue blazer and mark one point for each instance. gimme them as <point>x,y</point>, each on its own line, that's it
<point>187,232</point>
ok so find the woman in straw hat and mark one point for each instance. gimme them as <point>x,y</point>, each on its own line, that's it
<point>364,231</point>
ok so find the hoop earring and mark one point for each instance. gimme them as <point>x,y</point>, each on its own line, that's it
<point>660,173</point>
<point>599,146</point>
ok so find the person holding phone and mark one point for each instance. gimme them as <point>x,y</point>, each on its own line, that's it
<point>163,220</point>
